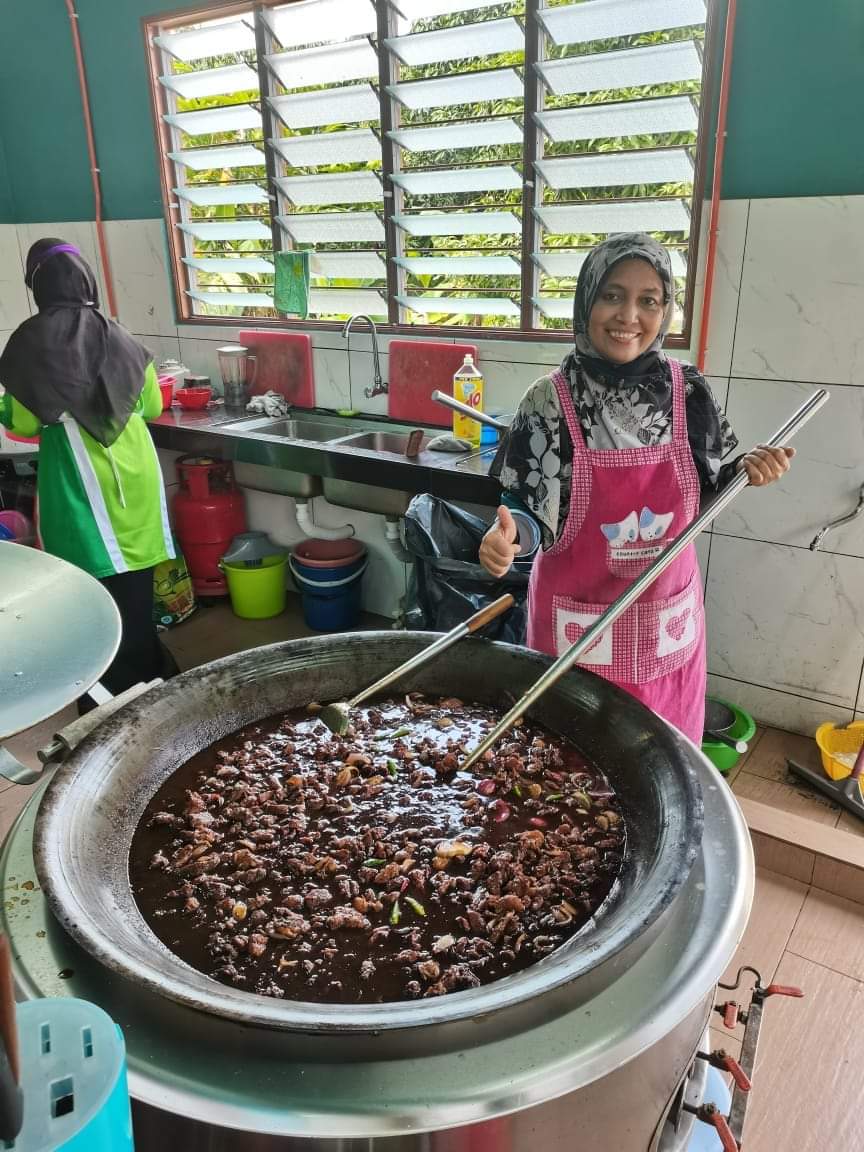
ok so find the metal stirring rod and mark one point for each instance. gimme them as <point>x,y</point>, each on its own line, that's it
<point>566,661</point>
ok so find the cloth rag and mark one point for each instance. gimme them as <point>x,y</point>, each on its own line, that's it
<point>270,404</point>
<point>291,289</point>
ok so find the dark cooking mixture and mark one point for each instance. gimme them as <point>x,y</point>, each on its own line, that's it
<point>368,868</point>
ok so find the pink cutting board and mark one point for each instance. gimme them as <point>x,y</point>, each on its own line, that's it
<point>417,368</point>
<point>284,365</point>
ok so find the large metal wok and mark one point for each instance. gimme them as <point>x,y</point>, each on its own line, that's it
<point>94,802</point>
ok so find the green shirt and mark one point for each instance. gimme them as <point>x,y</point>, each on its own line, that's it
<point>101,509</point>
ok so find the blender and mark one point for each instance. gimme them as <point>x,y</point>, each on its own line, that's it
<point>238,368</point>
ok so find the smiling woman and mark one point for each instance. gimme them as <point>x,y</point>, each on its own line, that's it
<point>611,455</point>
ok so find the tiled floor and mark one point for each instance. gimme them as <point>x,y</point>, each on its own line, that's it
<point>806,1083</point>
<point>214,631</point>
<point>806,1086</point>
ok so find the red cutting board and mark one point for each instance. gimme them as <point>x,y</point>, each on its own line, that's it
<point>416,369</point>
<point>284,365</point>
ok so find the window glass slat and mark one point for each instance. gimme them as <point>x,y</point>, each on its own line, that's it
<point>333,188</point>
<point>348,266</point>
<point>459,265</point>
<point>458,43</point>
<point>414,10</point>
<point>634,118</point>
<point>298,24</point>
<point>357,146</point>
<point>212,82</point>
<point>355,60</point>
<point>563,263</point>
<point>226,229</point>
<point>232,118</point>
<point>460,305</point>
<point>353,104</point>
<point>469,88</point>
<point>459,223</point>
<point>669,166</point>
<point>467,134</point>
<point>217,39</point>
<point>230,265</point>
<point>228,156</point>
<point>631,68</point>
<point>333,227</point>
<point>616,216</point>
<point>443,181</point>
<point>608,19</point>
<point>209,195</point>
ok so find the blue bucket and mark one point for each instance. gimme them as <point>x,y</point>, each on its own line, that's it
<point>331,596</point>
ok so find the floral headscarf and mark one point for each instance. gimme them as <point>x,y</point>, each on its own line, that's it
<point>617,405</point>
<point>598,264</point>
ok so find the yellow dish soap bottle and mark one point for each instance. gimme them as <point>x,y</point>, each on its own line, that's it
<point>468,389</point>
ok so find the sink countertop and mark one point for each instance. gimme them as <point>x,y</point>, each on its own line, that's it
<point>451,477</point>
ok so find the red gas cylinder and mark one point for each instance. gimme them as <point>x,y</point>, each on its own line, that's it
<point>208,513</point>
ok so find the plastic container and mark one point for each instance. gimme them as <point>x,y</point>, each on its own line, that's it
<point>258,592</point>
<point>250,548</point>
<point>722,756</point>
<point>468,389</point>
<point>329,575</point>
<point>20,529</point>
<point>193,397</point>
<point>839,748</point>
<point>166,387</point>
<point>73,1078</point>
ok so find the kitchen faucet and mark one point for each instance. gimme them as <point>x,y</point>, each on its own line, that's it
<point>379,387</point>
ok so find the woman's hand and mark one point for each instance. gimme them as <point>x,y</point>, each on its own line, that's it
<point>498,547</point>
<point>765,465</point>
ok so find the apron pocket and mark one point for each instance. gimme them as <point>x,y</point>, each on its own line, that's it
<point>613,653</point>
<point>670,631</point>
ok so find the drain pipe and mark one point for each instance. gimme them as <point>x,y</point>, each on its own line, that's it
<point>110,298</point>
<point>309,528</point>
<point>719,151</point>
<point>394,540</point>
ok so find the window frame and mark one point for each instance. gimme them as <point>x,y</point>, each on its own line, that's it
<point>395,274</point>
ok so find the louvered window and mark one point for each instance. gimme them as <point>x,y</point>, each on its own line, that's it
<point>446,163</point>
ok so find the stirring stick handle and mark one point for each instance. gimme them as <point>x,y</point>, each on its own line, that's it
<point>478,620</point>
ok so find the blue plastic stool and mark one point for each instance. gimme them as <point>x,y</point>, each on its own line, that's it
<point>73,1079</point>
<point>704,1138</point>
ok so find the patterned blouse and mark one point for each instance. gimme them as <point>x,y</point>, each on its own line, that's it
<point>535,461</point>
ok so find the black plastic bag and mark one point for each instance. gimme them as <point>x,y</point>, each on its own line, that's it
<point>448,584</point>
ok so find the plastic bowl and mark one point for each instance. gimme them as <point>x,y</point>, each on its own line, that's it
<point>722,756</point>
<point>192,397</point>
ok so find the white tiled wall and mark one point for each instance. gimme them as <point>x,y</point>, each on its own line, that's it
<point>786,625</point>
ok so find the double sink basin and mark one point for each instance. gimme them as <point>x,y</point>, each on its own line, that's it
<point>320,430</point>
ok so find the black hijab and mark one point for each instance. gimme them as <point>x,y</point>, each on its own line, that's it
<point>69,358</point>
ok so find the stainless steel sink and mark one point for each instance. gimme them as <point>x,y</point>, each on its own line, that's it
<point>290,428</point>
<point>366,497</point>
<point>392,442</point>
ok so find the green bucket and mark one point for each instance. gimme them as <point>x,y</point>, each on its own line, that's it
<point>257,591</point>
<point>722,756</point>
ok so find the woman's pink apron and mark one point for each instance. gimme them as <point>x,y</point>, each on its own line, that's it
<point>625,507</point>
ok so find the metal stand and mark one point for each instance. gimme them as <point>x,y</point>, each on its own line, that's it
<point>846,792</point>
